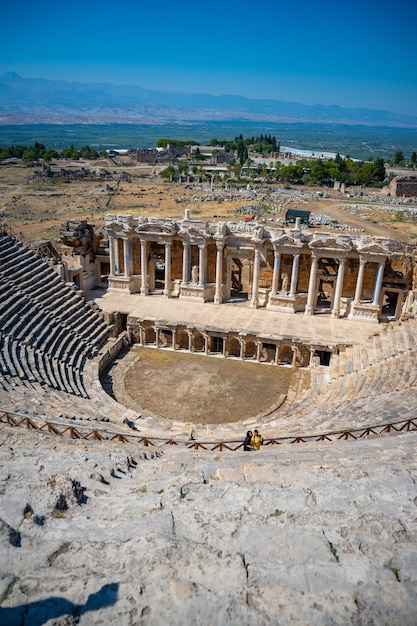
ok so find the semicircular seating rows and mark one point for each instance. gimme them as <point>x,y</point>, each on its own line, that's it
<point>47,331</point>
<point>48,336</point>
<point>369,384</point>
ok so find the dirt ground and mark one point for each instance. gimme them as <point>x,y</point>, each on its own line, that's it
<point>38,207</point>
<point>188,387</point>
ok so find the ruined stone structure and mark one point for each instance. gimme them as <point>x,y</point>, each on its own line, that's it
<point>84,259</point>
<point>289,270</point>
<point>404,186</point>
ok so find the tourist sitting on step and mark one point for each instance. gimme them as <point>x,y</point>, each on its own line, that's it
<point>247,444</point>
<point>257,440</point>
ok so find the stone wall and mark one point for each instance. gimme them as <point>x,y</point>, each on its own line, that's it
<point>404,185</point>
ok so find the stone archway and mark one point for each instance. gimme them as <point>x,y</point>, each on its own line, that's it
<point>182,340</point>
<point>285,355</point>
<point>250,349</point>
<point>149,335</point>
<point>199,343</point>
<point>165,338</point>
<point>233,347</point>
<point>267,354</point>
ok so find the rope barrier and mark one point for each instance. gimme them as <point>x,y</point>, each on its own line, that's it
<point>15,420</point>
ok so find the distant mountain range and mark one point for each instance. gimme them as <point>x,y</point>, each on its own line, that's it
<point>39,100</point>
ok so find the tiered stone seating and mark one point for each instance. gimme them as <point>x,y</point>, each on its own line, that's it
<point>370,384</point>
<point>48,336</point>
<point>47,332</point>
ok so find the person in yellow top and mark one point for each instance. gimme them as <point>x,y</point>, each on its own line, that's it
<point>257,440</point>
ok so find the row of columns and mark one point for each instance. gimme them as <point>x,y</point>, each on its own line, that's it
<point>294,273</point>
<point>206,336</point>
<point>218,297</point>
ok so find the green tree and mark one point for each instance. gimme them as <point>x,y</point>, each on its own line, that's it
<point>242,150</point>
<point>399,158</point>
<point>29,155</point>
<point>88,153</point>
<point>237,169</point>
<point>319,171</point>
<point>413,158</point>
<point>70,153</point>
<point>48,155</point>
<point>168,173</point>
<point>379,170</point>
<point>182,167</point>
<point>292,173</point>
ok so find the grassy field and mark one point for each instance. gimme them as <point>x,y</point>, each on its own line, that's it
<point>361,142</point>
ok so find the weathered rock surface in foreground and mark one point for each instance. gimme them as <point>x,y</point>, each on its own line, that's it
<point>290,535</point>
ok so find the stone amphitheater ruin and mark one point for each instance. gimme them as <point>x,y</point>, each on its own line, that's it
<point>178,524</point>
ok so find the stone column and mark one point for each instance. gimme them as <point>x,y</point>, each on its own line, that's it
<point>206,346</point>
<point>339,286</point>
<point>309,310</point>
<point>116,255</point>
<point>378,285</point>
<point>276,355</point>
<point>128,257</point>
<point>202,262</point>
<point>167,286</point>
<point>255,280</point>
<point>258,350</point>
<point>275,277</point>
<point>242,348</point>
<point>111,256</point>
<point>219,272</point>
<point>359,281</point>
<point>157,336</point>
<point>185,262</point>
<point>174,338</point>
<point>294,356</point>
<point>144,268</point>
<point>294,274</point>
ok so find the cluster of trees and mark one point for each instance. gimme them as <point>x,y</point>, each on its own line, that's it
<point>173,172</point>
<point>163,143</point>
<point>28,154</point>
<point>304,172</point>
<point>262,144</point>
<point>399,159</point>
<point>38,151</point>
<point>319,172</point>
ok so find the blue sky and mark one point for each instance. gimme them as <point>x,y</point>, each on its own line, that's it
<point>349,53</point>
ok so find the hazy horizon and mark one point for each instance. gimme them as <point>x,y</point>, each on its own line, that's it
<point>359,56</point>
